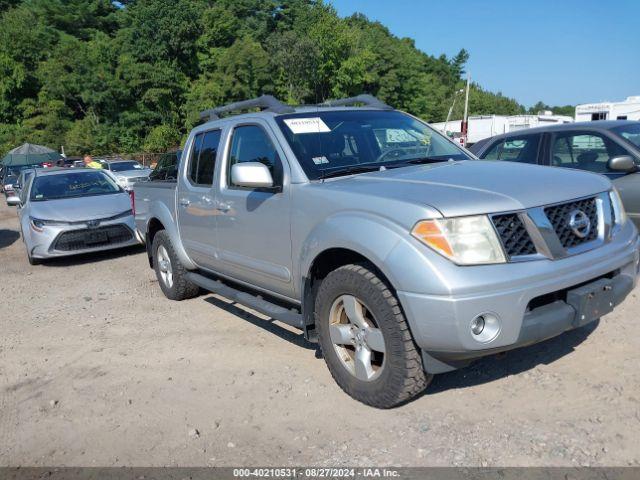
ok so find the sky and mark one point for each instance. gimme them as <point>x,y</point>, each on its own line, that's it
<point>563,52</point>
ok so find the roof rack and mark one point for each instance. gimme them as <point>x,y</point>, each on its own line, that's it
<point>365,99</point>
<point>265,102</point>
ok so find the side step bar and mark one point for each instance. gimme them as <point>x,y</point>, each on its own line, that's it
<point>277,312</point>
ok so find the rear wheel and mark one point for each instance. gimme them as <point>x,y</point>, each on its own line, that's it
<point>169,270</point>
<point>365,338</point>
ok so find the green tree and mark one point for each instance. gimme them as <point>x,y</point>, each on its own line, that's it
<point>161,139</point>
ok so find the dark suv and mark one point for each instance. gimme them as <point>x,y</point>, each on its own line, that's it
<point>611,148</point>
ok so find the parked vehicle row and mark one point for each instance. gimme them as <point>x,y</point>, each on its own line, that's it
<point>378,237</point>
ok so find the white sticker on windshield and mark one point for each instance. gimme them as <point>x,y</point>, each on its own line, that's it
<point>307,125</point>
<point>320,160</point>
<point>395,135</point>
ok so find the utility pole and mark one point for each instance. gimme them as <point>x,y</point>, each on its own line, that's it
<point>465,118</point>
<point>453,104</point>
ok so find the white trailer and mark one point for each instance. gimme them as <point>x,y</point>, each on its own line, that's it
<point>485,126</point>
<point>628,109</point>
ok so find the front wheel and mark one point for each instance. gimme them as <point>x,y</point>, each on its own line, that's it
<point>365,338</point>
<point>169,270</point>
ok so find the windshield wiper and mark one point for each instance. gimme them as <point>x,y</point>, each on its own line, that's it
<point>418,161</point>
<point>350,170</point>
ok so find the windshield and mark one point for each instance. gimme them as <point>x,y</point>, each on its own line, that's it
<point>327,142</point>
<point>71,185</point>
<point>124,166</point>
<point>630,133</point>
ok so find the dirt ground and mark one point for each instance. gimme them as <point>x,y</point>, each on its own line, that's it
<point>97,368</point>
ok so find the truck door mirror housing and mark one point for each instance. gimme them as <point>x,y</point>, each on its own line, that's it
<point>623,163</point>
<point>13,201</point>
<point>251,175</point>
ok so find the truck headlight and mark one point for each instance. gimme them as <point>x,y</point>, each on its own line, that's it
<point>619,213</point>
<point>463,240</point>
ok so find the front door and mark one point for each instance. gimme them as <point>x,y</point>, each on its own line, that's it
<point>591,151</point>
<point>253,225</point>
<point>196,199</point>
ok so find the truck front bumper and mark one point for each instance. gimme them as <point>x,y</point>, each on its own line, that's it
<point>558,296</point>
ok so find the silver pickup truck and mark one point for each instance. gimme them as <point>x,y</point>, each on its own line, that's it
<point>396,250</point>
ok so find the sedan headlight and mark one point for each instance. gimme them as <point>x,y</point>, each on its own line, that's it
<point>38,224</point>
<point>463,240</point>
<point>619,213</point>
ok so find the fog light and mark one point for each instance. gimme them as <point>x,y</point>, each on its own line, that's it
<point>485,327</point>
<point>477,325</point>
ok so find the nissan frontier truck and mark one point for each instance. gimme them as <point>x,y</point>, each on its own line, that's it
<point>401,254</point>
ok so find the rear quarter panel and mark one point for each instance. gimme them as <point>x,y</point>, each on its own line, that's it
<point>157,201</point>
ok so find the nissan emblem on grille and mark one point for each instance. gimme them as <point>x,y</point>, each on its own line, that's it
<point>579,223</point>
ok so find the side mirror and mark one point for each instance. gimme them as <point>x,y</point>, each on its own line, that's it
<point>13,201</point>
<point>623,163</point>
<point>252,175</point>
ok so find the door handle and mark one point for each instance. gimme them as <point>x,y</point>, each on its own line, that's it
<point>223,207</point>
<point>206,199</point>
<point>185,202</point>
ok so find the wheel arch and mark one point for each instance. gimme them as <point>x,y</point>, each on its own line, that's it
<point>160,218</point>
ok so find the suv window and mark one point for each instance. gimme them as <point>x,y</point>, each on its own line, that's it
<point>250,143</point>
<point>203,158</point>
<point>584,151</point>
<point>517,149</point>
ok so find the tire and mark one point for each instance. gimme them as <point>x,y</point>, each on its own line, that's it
<point>396,374</point>
<point>33,261</point>
<point>172,275</point>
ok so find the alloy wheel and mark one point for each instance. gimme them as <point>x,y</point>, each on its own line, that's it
<point>356,338</point>
<point>164,266</point>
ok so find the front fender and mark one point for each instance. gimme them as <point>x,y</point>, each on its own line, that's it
<point>161,212</point>
<point>407,264</point>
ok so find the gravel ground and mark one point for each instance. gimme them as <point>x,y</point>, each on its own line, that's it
<point>97,368</point>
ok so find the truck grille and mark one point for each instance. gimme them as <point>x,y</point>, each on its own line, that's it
<point>559,216</point>
<point>513,235</point>
<point>92,238</point>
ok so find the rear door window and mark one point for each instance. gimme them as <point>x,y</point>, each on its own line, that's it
<point>522,149</point>
<point>203,158</point>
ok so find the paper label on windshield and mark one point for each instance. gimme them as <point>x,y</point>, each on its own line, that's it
<point>307,125</point>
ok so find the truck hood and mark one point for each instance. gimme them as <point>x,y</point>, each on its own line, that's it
<point>82,208</point>
<point>477,187</point>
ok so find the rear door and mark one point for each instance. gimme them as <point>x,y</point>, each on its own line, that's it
<point>521,148</point>
<point>253,224</point>
<point>195,200</point>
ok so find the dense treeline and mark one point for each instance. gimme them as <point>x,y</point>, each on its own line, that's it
<point>102,76</point>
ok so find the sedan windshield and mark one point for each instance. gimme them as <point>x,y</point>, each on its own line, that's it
<point>331,143</point>
<point>630,132</point>
<point>124,166</point>
<point>71,185</point>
